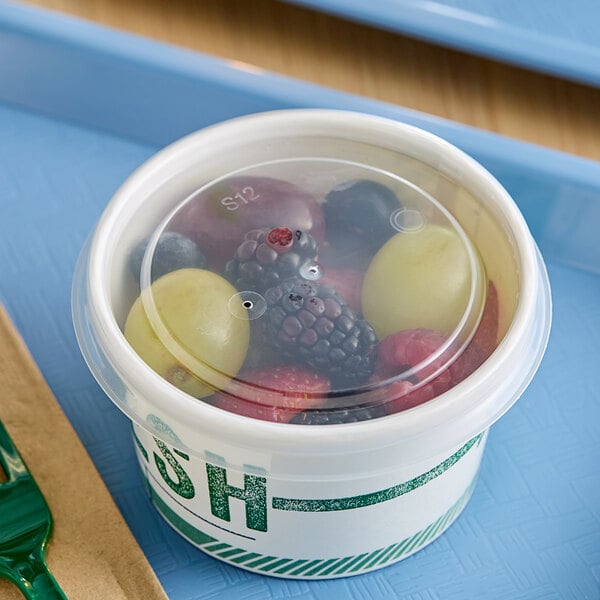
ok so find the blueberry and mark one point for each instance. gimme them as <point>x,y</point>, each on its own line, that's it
<point>357,217</point>
<point>173,251</point>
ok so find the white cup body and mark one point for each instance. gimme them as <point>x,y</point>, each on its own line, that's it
<point>312,501</point>
<point>317,529</point>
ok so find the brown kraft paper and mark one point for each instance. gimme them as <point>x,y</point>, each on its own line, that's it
<point>92,553</point>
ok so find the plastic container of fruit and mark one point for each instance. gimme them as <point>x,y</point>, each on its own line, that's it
<point>312,318</point>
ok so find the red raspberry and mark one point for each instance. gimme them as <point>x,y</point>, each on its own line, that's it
<point>347,283</point>
<point>281,239</point>
<point>280,392</point>
<point>406,349</point>
<point>402,351</point>
<point>483,343</point>
<point>403,395</point>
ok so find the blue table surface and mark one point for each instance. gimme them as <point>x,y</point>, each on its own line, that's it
<point>532,528</point>
<point>559,37</point>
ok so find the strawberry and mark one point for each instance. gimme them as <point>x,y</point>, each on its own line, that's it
<point>276,393</point>
<point>347,283</point>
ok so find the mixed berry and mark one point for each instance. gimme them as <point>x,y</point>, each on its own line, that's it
<point>173,251</point>
<point>311,324</point>
<point>357,220</point>
<point>314,277</point>
<point>217,218</point>
<point>270,255</point>
<point>276,393</point>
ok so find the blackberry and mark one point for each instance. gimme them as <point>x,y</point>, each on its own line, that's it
<point>173,251</point>
<point>310,323</point>
<point>334,417</point>
<point>357,217</point>
<point>269,255</point>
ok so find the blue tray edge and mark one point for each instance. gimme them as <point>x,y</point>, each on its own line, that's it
<point>472,33</point>
<point>59,34</point>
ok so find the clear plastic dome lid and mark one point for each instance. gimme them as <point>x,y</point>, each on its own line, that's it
<point>307,291</point>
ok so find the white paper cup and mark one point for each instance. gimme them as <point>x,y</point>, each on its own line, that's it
<point>308,501</point>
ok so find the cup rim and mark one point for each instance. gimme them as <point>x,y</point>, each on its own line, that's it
<point>431,420</point>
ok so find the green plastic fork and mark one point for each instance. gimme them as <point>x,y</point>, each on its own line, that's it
<point>25,528</point>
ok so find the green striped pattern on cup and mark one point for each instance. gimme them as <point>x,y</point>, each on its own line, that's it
<point>309,568</point>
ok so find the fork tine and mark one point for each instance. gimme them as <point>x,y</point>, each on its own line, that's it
<point>10,459</point>
<point>25,527</point>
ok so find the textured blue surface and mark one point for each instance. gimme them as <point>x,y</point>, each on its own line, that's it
<point>532,529</point>
<point>558,37</point>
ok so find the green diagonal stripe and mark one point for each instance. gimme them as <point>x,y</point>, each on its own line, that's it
<point>334,504</point>
<point>293,565</point>
<point>245,557</point>
<point>278,563</point>
<point>261,561</point>
<point>320,567</point>
<point>231,552</point>
<point>332,566</point>
<point>336,565</point>
<point>314,568</point>
<point>309,565</point>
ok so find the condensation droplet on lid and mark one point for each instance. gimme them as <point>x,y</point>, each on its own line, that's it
<point>407,220</point>
<point>247,305</point>
<point>312,272</point>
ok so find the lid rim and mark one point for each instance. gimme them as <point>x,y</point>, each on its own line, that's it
<point>410,424</point>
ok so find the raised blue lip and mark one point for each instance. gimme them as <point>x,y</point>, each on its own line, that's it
<point>531,527</point>
<point>556,37</point>
<point>155,93</point>
<point>261,89</point>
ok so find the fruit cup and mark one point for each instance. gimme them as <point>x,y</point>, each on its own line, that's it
<point>312,319</point>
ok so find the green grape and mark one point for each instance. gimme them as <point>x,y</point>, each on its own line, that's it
<point>418,279</point>
<point>193,321</point>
